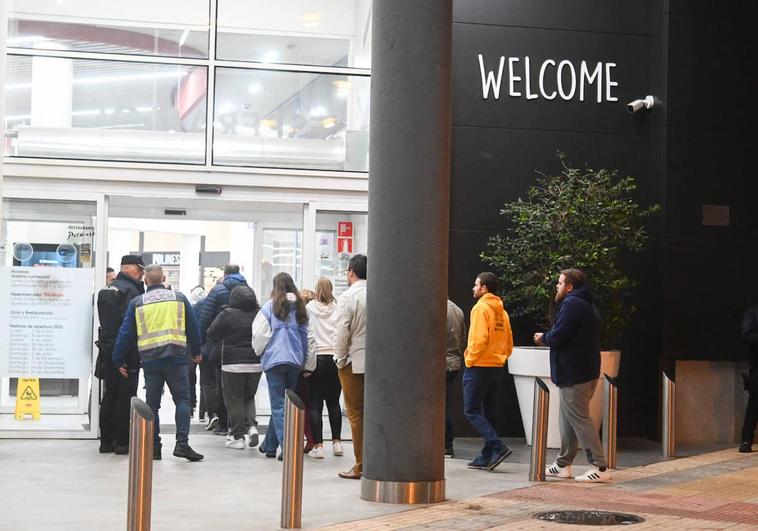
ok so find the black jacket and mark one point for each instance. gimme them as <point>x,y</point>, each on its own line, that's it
<point>112,302</point>
<point>233,327</point>
<point>574,340</point>
<point>750,336</point>
<point>217,299</point>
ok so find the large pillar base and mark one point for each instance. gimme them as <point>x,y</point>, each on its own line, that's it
<point>407,492</point>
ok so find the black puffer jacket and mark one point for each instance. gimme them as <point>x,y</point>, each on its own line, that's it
<point>233,327</point>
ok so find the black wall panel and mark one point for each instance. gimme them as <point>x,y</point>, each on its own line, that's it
<point>609,16</point>
<point>628,53</point>
<point>694,148</point>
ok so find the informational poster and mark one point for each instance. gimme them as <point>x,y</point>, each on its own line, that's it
<point>45,322</point>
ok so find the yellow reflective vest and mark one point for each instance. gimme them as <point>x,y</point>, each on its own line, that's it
<point>161,325</point>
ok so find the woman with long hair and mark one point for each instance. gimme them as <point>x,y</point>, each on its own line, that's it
<point>324,384</point>
<point>280,336</point>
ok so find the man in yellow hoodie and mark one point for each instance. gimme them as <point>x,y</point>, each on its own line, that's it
<point>490,343</point>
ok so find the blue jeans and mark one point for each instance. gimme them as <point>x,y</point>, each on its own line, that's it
<point>279,379</point>
<point>476,382</point>
<point>177,378</point>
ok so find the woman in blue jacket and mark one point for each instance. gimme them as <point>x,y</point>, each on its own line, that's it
<point>280,335</point>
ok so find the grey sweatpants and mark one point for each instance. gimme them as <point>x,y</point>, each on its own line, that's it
<point>577,428</point>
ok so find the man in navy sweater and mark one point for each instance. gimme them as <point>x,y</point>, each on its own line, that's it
<point>574,342</point>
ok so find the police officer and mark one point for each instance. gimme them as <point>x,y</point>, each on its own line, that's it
<point>164,327</point>
<point>112,302</point>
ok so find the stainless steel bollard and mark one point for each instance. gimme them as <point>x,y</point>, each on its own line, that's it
<point>140,467</point>
<point>610,419</point>
<point>668,416</point>
<point>539,430</point>
<point>292,472</point>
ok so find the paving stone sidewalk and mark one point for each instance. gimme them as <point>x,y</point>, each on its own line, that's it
<point>717,490</point>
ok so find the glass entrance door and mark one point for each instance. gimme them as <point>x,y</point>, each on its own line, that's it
<point>47,285</point>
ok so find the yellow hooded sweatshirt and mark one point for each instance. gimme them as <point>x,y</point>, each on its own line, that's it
<point>490,340</point>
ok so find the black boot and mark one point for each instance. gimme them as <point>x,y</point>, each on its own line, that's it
<point>184,450</point>
<point>157,452</point>
<point>746,448</point>
<point>106,447</point>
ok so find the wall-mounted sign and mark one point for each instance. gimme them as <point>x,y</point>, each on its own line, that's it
<point>162,259</point>
<point>45,322</point>
<point>549,79</point>
<point>716,215</point>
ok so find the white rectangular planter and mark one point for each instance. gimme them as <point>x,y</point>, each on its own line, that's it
<point>528,363</point>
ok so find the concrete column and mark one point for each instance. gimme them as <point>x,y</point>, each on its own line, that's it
<point>407,252</point>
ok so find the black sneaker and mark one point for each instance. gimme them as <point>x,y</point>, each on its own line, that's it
<point>498,456</point>
<point>106,448</point>
<point>746,448</point>
<point>121,450</point>
<point>449,452</point>
<point>184,450</point>
<point>213,423</point>
<point>480,463</point>
<point>220,430</point>
<point>156,453</point>
<point>266,453</point>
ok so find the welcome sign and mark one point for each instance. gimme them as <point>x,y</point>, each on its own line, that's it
<point>549,79</point>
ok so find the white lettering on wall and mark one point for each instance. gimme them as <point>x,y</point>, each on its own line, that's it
<point>609,83</point>
<point>563,64</point>
<point>553,94</point>
<point>528,79</point>
<point>512,78</point>
<point>584,73</point>
<point>567,78</point>
<point>490,80</point>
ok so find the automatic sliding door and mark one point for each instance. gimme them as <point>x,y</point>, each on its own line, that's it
<point>46,311</point>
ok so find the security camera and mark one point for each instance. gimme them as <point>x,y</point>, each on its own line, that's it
<point>638,105</point>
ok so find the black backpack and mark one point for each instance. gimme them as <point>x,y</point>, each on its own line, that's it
<point>111,309</point>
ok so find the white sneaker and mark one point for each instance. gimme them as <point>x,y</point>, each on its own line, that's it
<point>594,475</point>
<point>557,471</point>
<point>337,448</point>
<point>252,434</point>
<point>317,453</point>
<point>236,444</point>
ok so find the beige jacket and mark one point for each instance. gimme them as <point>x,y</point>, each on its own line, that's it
<point>456,336</point>
<point>350,330</point>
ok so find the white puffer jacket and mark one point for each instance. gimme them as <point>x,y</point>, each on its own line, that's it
<point>322,322</point>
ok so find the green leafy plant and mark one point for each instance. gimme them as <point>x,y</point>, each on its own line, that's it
<point>582,218</point>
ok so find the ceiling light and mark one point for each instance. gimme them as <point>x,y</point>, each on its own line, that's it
<point>318,112</point>
<point>183,38</point>
<point>270,57</point>
<point>13,41</point>
<point>310,20</point>
<point>254,87</point>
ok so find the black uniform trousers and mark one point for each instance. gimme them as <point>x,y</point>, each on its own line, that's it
<point>114,406</point>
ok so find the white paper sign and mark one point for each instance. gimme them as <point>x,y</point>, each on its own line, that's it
<point>45,322</point>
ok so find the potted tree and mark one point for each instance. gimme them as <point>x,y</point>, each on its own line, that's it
<point>583,218</point>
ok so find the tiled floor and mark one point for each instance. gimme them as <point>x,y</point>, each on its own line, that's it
<point>717,490</point>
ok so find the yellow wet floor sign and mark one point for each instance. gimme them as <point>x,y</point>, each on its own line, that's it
<point>27,398</point>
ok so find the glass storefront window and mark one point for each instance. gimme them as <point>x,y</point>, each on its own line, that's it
<point>105,110</point>
<point>47,286</point>
<point>339,236</point>
<point>281,252</point>
<point>291,120</point>
<point>175,28</point>
<point>304,32</point>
